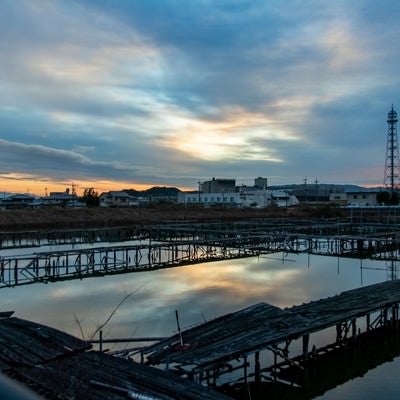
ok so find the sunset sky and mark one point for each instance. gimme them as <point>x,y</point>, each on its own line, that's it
<point>131,94</point>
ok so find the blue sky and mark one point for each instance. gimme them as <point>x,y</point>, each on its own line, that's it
<point>130,93</point>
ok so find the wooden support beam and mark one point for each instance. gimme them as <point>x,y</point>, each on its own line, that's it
<point>385,316</point>
<point>306,341</point>
<point>245,364</point>
<point>338,332</point>
<point>353,328</point>
<point>257,368</point>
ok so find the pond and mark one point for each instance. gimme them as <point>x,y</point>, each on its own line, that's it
<point>199,293</point>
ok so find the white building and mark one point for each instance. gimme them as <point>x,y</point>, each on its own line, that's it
<point>230,198</point>
<point>118,199</point>
<point>246,197</point>
<point>362,198</point>
<point>283,199</point>
<point>64,199</point>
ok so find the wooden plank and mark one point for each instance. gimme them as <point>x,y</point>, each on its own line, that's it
<point>100,376</point>
<point>24,342</point>
<point>6,314</point>
<point>261,325</point>
<point>56,364</point>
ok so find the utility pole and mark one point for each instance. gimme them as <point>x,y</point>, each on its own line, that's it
<point>199,190</point>
<point>305,190</point>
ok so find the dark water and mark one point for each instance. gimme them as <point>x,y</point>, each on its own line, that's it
<point>199,293</point>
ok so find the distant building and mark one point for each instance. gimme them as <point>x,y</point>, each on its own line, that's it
<point>362,198</point>
<point>135,198</point>
<point>118,199</point>
<point>283,199</point>
<point>224,192</point>
<point>246,197</point>
<point>339,199</point>
<point>161,194</point>
<point>19,201</point>
<point>62,199</point>
<point>217,198</point>
<point>218,186</point>
<point>261,183</point>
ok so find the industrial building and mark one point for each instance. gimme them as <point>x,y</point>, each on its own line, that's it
<point>224,192</point>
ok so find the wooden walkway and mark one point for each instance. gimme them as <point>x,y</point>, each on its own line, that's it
<point>217,344</point>
<point>57,365</point>
<point>179,244</point>
<point>49,266</point>
<point>99,261</point>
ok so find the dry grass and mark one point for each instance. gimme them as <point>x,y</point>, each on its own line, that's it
<point>64,218</point>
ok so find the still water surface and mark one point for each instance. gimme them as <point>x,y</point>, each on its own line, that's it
<point>199,293</point>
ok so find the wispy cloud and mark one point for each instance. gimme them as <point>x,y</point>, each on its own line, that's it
<point>155,92</point>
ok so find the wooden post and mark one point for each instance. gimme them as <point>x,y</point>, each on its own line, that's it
<point>179,327</point>
<point>101,341</point>
<point>306,340</point>
<point>354,328</point>
<point>245,369</point>
<point>368,322</point>
<point>385,316</point>
<point>16,272</point>
<point>394,315</point>
<point>338,332</point>
<point>257,368</point>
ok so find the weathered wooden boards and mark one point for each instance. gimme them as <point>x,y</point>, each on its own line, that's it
<point>27,343</point>
<point>94,376</point>
<point>58,365</point>
<point>262,325</point>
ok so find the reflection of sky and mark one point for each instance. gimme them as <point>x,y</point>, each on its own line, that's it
<point>198,292</point>
<point>379,385</point>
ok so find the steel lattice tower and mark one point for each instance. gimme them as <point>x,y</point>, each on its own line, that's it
<point>391,180</point>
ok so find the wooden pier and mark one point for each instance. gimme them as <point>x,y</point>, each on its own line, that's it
<point>59,366</point>
<point>182,231</point>
<point>260,349</point>
<point>231,348</point>
<point>89,262</point>
<point>50,266</point>
<point>27,239</point>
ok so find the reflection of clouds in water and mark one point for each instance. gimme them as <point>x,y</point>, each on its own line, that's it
<point>199,292</point>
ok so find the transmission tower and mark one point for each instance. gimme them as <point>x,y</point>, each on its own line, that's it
<point>391,180</point>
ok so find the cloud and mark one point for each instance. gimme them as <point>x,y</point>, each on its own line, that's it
<point>175,94</point>
<point>56,163</point>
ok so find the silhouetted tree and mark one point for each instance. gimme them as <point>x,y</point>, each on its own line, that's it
<point>91,197</point>
<point>394,199</point>
<point>388,198</point>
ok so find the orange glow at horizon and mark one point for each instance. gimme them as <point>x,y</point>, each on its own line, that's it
<point>37,186</point>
